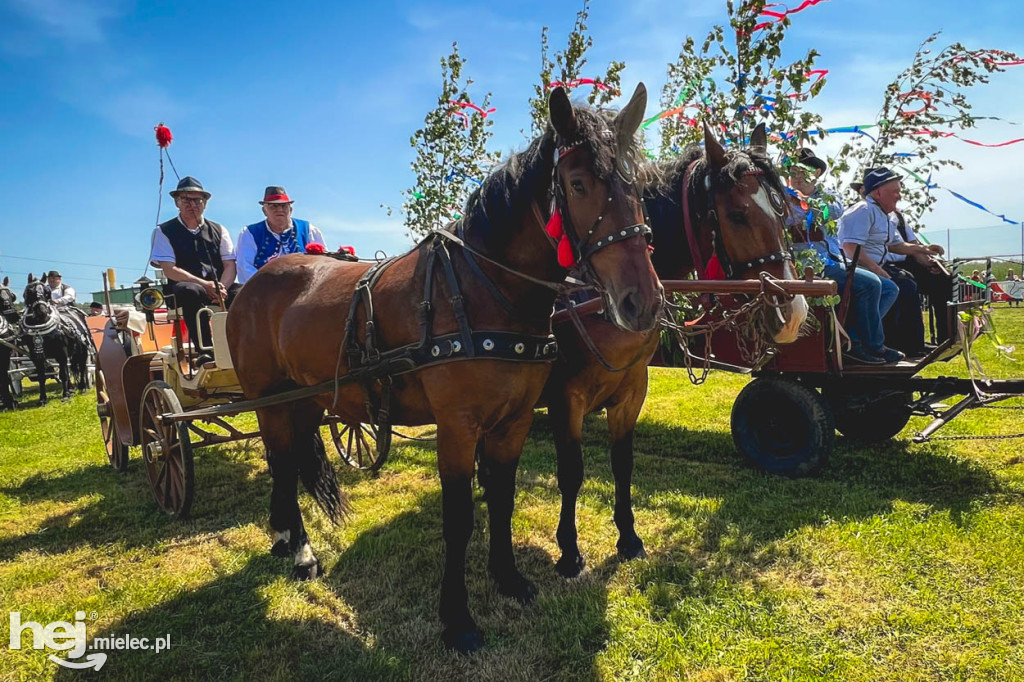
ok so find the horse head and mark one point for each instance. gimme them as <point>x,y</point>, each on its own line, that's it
<point>598,204</point>
<point>731,208</point>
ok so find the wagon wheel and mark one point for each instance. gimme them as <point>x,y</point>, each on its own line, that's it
<point>166,450</point>
<point>783,427</point>
<point>357,445</point>
<point>117,452</point>
<point>869,416</point>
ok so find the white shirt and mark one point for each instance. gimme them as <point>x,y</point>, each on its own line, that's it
<point>63,295</point>
<point>865,223</point>
<point>163,252</point>
<point>247,249</point>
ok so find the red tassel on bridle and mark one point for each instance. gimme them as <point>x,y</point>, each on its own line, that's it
<point>555,230</point>
<point>163,136</point>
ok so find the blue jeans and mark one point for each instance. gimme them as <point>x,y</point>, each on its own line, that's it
<point>872,298</point>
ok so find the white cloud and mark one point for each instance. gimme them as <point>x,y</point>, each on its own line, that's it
<point>73,21</point>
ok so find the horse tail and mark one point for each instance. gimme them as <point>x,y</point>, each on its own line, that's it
<point>321,481</point>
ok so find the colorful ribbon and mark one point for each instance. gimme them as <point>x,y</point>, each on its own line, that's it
<point>779,16</point>
<point>577,82</point>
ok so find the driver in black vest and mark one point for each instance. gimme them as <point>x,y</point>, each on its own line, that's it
<point>196,256</point>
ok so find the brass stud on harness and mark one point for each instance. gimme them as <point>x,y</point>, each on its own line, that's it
<point>456,346</point>
<point>520,348</point>
<point>488,344</point>
<point>435,351</point>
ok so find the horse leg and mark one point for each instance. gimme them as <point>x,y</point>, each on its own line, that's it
<point>567,426</point>
<point>64,373</point>
<point>40,365</point>
<point>6,399</point>
<point>280,430</point>
<point>621,425</point>
<point>455,452</point>
<point>501,452</point>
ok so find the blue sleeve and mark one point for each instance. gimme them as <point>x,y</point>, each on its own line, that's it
<point>855,224</point>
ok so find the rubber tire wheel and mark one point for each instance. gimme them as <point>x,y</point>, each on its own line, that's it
<point>172,473</point>
<point>117,452</point>
<point>874,419</point>
<point>357,445</point>
<point>783,427</point>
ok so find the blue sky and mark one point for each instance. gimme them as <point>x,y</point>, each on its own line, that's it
<point>322,98</point>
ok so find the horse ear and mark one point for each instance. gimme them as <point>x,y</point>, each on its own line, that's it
<point>629,119</point>
<point>31,278</point>
<point>563,118</point>
<point>713,149</point>
<point>759,139</point>
<point>7,281</point>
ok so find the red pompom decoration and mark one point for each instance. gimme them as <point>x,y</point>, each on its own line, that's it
<point>554,226</point>
<point>315,248</point>
<point>163,136</point>
<point>714,269</point>
<point>565,256</point>
<point>350,250</point>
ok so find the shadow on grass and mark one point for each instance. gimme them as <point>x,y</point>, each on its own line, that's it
<point>859,482</point>
<point>101,506</point>
<point>225,630</point>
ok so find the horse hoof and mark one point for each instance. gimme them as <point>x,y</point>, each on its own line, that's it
<point>463,641</point>
<point>571,567</point>
<point>305,572</point>
<point>280,549</point>
<point>633,549</point>
<point>518,588</point>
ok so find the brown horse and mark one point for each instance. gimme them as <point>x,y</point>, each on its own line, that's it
<point>737,207</point>
<point>287,327</point>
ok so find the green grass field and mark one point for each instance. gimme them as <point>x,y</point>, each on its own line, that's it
<point>900,562</point>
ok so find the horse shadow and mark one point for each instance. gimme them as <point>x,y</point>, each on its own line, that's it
<point>99,506</point>
<point>677,470</point>
<point>390,576</point>
<point>227,629</point>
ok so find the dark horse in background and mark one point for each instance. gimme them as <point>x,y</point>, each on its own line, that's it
<point>47,333</point>
<point>288,326</point>
<point>736,206</point>
<point>9,318</point>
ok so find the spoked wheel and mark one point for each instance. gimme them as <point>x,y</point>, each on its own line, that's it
<point>357,445</point>
<point>166,450</point>
<point>117,452</point>
<point>783,427</point>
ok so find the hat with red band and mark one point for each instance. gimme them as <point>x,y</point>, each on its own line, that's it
<point>275,195</point>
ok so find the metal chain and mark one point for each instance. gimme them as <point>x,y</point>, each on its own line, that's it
<point>990,437</point>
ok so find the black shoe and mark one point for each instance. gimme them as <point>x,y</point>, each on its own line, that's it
<point>859,356</point>
<point>204,359</point>
<point>888,355</point>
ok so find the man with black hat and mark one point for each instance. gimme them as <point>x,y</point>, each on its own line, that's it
<point>867,224</point>
<point>60,294</point>
<point>277,235</point>
<point>812,211</point>
<point>196,256</point>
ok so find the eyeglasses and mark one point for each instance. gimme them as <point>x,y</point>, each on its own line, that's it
<point>279,207</point>
<point>198,201</point>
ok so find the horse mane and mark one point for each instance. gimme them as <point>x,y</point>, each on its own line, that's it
<point>496,208</point>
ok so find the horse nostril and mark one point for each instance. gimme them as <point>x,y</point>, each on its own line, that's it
<point>629,305</point>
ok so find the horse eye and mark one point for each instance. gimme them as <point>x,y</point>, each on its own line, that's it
<point>577,186</point>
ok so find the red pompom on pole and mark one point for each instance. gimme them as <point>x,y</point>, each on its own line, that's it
<point>163,136</point>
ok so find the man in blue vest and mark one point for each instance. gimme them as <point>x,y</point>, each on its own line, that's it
<point>196,256</point>
<point>278,235</point>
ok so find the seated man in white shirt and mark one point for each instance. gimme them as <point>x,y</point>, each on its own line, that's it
<point>277,235</point>
<point>60,294</point>
<point>197,258</point>
<point>867,224</point>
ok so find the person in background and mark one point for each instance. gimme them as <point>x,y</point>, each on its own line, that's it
<point>277,235</point>
<point>931,276</point>
<point>95,309</point>
<point>871,295</point>
<point>60,294</point>
<point>866,224</point>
